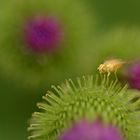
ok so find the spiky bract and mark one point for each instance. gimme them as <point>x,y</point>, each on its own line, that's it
<point>86,100</point>
<point>21,65</point>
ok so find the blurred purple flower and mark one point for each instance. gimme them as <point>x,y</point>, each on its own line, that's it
<point>92,131</point>
<point>133,75</point>
<point>43,34</point>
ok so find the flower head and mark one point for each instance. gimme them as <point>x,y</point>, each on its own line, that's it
<point>43,34</point>
<point>85,130</point>
<point>69,103</point>
<point>42,41</point>
<point>133,75</point>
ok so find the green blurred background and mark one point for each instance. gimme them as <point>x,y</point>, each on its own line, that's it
<point>17,103</point>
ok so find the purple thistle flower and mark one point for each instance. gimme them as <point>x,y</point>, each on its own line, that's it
<point>133,75</point>
<point>91,131</point>
<point>43,34</point>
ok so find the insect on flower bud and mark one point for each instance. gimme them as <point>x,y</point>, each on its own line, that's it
<point>110,66</point>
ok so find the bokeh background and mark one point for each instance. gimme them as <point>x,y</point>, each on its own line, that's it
<point>17,102</point>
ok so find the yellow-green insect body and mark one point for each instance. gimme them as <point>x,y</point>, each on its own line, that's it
<point>111,66</point>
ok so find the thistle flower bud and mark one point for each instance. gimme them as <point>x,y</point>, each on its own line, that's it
<point>42,40</point>
<point>86,100</point>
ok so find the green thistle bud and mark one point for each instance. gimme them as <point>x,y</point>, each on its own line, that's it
<point>87,100</point>
<point>25,26</point>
